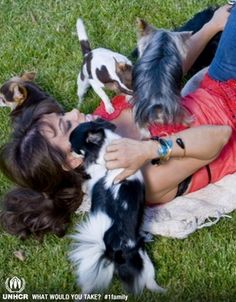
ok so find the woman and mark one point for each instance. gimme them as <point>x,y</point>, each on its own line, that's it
<point>39,157</point>
<point>48,194</point>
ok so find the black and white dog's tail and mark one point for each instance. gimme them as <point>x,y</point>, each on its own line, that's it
<point>94,271</point>
<point>83,38</point>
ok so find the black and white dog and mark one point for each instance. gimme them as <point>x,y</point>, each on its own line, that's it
<point>102,68</point>
<point>109,241</point>
<point>157,77</point>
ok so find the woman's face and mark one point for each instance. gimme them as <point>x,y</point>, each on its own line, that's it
<point>58,127</point>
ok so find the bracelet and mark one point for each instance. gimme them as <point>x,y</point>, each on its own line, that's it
<point>164,150</point>
<point>181,144</point>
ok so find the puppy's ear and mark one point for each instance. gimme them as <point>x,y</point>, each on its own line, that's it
<point>121,66</point>
<point>185,35</point>
<point>141,25</point>
<point>95,137</point>
<point>144,28</point>
<point>103,124</point>
<point>19,93</point>
<point>96,134</point>
<point>28,76</point>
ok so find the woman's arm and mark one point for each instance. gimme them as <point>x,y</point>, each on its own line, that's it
<point>202,144</point>
<point>199,40</point>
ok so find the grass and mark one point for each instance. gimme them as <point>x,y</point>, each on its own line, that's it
<point>40,35</point>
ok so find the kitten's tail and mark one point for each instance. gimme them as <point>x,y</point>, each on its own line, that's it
<point>83,38</point>
<point>94,271</point>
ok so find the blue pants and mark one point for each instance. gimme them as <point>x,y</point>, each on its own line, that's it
<point>223,66</point>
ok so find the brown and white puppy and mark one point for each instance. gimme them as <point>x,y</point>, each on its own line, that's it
<point>102,68</point>
<point>21,92</point>
<point>13,93</point>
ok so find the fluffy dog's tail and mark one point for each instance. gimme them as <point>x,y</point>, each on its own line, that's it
<point>94,271</point>
<point>83,38</point>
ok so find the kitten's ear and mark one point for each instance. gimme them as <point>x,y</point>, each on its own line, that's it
<point>185,35</point>
<point>19,94</point>
<point>28,76</point>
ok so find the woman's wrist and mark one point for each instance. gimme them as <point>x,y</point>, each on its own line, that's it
<point>150,147</point>
<point>170,147</point>
<point>211,28</point>
<point>158,149</point>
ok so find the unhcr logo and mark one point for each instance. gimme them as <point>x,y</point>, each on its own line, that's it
<point>15,284</point>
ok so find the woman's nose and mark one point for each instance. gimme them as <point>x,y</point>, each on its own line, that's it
<point>73,115</point>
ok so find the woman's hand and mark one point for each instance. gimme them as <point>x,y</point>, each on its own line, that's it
<point>220,18</point>
<point>128,154</point>
<point>199,40</point>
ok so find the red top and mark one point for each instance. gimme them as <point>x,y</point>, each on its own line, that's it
<point>214,103</point>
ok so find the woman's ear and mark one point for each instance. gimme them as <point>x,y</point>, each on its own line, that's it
<point>72,162</point>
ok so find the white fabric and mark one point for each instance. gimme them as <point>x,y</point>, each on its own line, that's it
<point>185,214</point>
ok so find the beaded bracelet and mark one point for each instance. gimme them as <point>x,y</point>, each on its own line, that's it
<point>163,151</point>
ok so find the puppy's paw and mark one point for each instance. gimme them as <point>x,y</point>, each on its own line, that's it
<point>109,108</point>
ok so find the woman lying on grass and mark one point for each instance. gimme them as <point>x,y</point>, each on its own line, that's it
<point>39,159</point>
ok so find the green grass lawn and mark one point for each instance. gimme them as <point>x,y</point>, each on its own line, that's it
<point>40,35</point>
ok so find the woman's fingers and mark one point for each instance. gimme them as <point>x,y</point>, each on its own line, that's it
<point>113,164</point>
<point>220,17</point>
<point>110,156</point>
<point>112,147</point>
<point>126,154</point>
<point>123,175</point>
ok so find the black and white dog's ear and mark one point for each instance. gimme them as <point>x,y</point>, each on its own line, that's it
<point>89,132</point>
<point>103,124</point>
<point>96,134</point>
<point>95,137</point>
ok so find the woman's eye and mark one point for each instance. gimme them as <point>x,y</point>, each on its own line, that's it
<point>69,125</point>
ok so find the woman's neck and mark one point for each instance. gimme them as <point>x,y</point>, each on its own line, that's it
<point>126,126</point>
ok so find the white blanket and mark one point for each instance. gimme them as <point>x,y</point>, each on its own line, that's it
<point>184,215</point>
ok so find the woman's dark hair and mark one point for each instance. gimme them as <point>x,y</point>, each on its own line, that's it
<point>47,195</point>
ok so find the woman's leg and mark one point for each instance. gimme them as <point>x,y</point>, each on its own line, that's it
<point>223,66</point>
